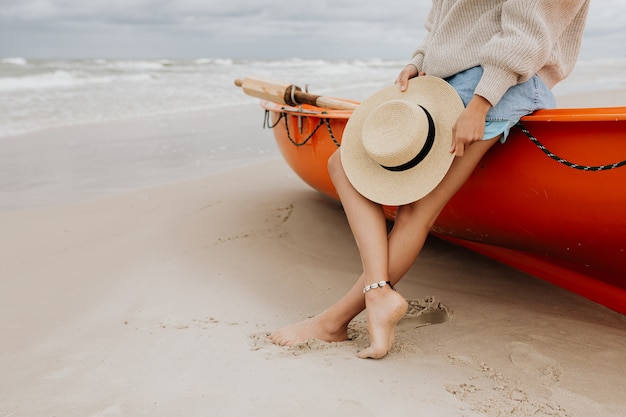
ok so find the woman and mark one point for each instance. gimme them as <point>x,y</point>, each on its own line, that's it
<point>502,57</point>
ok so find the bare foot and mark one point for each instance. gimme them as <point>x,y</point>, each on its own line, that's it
<point>313,328</point>
<point>385,307</point>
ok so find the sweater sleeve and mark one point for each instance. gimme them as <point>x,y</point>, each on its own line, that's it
<point>530,31</point>
<point>418,56</point>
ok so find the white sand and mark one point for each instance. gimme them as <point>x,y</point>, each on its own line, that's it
<point>157,302</point>
<point>607,98</point>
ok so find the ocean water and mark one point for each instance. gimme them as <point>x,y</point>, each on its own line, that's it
<point>36,95</point>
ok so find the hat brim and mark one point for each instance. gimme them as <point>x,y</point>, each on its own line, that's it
<point>396,188</point>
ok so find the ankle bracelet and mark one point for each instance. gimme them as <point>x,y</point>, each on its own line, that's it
<point>378,284</point>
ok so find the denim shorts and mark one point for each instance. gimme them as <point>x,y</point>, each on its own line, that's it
<point>518,101</point>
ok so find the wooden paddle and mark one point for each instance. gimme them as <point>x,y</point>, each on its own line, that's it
<point>288,94</point>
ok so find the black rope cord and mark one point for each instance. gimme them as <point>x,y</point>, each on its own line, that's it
<point>566,162</point>
<point>330,132</point>
<point>321,122</point>
<point>266,120</point>
<point>267,123</point>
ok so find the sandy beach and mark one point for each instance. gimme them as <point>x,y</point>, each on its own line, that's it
<point>137,292</point>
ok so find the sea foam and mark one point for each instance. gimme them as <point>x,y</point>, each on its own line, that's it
<point>42,94</point>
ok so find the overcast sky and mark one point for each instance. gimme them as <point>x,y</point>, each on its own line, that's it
<point>245,28</point>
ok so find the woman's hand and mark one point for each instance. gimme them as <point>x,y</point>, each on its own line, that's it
<point>408,72</point>
<point>470,125</point>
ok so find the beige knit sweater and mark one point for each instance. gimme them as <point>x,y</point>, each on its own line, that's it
<point>511,39</point>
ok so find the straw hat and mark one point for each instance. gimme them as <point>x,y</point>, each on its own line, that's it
<point>396,145</point>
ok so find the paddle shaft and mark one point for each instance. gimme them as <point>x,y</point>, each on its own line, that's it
<point>289,94</point>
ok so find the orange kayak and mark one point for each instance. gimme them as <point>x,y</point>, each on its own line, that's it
<point>559,215</point>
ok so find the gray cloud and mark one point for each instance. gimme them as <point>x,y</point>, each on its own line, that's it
<point>242,28</point>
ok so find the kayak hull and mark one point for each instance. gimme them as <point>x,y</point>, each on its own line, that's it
<point>520,206</point>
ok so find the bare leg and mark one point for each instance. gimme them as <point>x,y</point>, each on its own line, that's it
<point>391,260</point>
<point>384,307</point>
<point>371,237</point>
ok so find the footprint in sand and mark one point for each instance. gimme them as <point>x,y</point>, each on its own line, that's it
<point>424,312</point>
<point>526,358</point>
